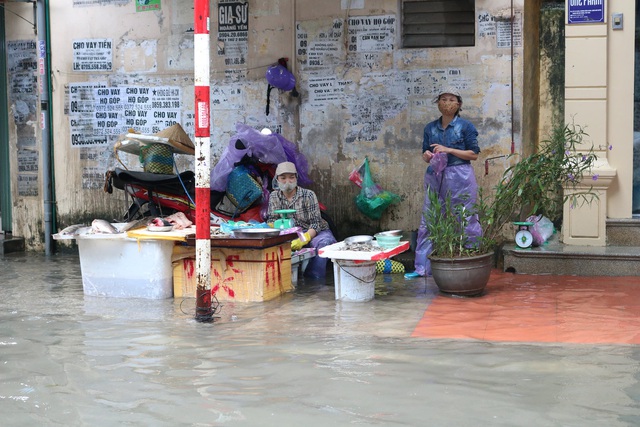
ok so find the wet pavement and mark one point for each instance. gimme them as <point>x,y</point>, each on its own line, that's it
<point>410,357</point>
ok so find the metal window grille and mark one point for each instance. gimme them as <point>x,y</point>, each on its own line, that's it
<point>438,23</point>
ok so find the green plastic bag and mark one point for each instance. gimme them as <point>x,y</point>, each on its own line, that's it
<point>373,200</point>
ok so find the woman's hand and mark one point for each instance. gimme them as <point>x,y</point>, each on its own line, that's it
<point>462,154</point>
<point>427,156</point>
<point>437,148</point>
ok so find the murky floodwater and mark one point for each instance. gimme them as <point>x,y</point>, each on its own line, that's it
<point>67,359</point>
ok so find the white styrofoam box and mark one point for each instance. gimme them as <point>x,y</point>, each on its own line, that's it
<point>113,265</point>
<point>354,280</point>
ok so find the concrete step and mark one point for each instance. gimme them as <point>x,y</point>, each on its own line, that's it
<point>556,258</point>
<point>559,259</point>
<point>9,243</point>
<point>623,232</point>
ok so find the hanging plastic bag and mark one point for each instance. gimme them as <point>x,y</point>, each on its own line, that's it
<point>278,76</point>
<point>356,175</point>
<point>541,230</point>
<point>373,200</point>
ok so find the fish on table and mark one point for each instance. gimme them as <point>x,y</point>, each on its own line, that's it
<point>104,227</point>
<point>71,230</point>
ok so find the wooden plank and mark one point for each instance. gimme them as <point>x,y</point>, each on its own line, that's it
<point>233,242</point>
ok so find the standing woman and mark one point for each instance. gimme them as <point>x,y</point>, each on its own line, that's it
<point>456,138</point>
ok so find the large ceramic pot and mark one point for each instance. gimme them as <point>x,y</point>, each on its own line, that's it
<point>465,276</point>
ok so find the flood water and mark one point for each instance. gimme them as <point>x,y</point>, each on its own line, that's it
<point>305,359</point>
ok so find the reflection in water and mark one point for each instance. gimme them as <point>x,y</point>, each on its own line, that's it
<point>304,359</point>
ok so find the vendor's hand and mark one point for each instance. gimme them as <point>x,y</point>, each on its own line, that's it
<point>297,244</point>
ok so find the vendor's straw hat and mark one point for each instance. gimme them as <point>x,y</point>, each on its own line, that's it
<point>178,139</point>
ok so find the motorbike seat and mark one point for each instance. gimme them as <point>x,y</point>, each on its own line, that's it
<point>154,181</point>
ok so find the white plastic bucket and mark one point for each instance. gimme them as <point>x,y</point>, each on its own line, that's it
<point>354,280</point>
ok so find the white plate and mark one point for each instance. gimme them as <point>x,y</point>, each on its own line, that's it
<point>159,228</point>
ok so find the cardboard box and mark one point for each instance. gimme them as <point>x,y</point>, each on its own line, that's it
<point>243,275</point>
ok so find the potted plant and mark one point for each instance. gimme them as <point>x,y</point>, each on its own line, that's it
<point>532,186</point>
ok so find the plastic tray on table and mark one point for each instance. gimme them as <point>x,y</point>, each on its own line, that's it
<point>336,251</point>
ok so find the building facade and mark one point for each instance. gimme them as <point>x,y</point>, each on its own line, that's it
<point>366,74</point>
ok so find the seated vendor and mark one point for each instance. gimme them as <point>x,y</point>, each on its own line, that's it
<point>288,195</point>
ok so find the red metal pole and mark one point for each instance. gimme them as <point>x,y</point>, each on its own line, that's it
<point>204,312</point>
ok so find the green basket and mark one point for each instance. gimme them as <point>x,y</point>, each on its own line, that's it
<point>157,158</point>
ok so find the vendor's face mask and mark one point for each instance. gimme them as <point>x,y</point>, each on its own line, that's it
<point>287,182</point>
<point>288,186</point>
<point>448,105</point>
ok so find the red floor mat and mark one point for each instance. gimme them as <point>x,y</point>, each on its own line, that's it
<point>530,308</point>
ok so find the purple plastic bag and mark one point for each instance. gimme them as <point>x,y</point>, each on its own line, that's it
<point>278,76</point>
<point>439,162</point>
<point>268,149</point>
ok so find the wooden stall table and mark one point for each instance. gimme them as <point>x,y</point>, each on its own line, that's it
<point>242,269</point>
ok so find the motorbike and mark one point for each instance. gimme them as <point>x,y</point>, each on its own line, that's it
<point>154,194</point>
<point>159,195</point>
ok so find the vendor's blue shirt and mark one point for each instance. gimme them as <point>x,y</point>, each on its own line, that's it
<point>460,134</point>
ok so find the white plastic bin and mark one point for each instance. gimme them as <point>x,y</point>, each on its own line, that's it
<point>114,265</point>
<point>354,280</point>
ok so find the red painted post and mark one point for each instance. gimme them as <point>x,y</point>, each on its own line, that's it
<point>204,312</point>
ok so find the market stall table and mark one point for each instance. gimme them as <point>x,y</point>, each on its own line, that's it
<point>242,269</point>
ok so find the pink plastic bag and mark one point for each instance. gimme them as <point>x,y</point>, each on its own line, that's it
<point>541,230</point>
